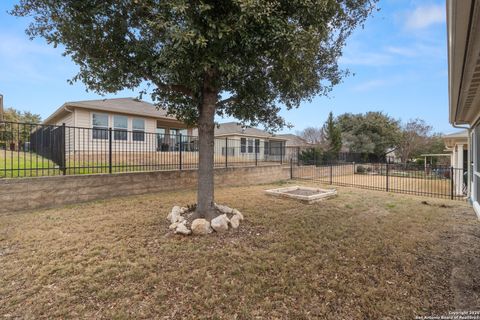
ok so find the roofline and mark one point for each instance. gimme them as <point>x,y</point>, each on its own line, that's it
<point>461,44</point>
<point>248,135</point>
<point>74,104</point>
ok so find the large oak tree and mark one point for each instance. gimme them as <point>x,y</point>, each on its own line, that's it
<point>240,58</point>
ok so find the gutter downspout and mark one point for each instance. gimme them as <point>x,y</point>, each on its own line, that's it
<point>73,114</point>
<point>470,160</point>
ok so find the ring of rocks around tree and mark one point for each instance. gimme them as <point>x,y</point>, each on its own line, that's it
<point>181,220</point>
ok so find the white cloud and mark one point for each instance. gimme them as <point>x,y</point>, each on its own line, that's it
<point>425,16</point>
<point>22,59</point>
<point>356,57</point>
<point>369,85</point>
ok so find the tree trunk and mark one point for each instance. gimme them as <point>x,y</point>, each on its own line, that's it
<point>206,140</point>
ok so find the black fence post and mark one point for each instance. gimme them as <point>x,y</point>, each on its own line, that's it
<point>226,152</point>
<point>256,156</point>
<point>64,149</point>
<point>451,183</point>
<point>180,152</point>
<point>331,172</point>
<point>109,150</point>
<point>386,170</point>
<point>281,153</point>
<point>291,168</point>
<point>353,176</point>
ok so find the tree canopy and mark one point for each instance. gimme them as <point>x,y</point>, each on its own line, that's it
<point>14,115</point>
<point>372,132</point>
<point>256,54</point>
<point>333,138</point>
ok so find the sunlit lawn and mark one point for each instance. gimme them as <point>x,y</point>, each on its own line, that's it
<point>25,164</point>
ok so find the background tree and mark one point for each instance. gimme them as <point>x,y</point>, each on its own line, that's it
<point>333,138</point>
<point>14,133</point>
<point>414,139</point>
<point>256,55</point>
<point>372,132</point>
<point>312,135</point>
<point>14,115</point>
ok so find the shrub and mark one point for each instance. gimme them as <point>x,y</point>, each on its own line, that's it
<point>361,169</point>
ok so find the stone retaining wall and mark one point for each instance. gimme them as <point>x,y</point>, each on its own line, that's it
<point>43,192</point>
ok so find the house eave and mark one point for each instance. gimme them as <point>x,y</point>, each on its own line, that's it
<point>463,18</point>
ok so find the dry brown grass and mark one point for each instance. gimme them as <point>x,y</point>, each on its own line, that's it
<point>362,255</point>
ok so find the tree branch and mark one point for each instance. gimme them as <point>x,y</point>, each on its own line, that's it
<point>176,88</point>
<point>226,101</point>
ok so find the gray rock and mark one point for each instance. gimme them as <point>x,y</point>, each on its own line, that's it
<point>237,213</point>
<point>182,229</point>
<point>175,215</point>
<point>220,223</point>
<point>223,209</point>
<point>235,221</point>
<point>201,227</point>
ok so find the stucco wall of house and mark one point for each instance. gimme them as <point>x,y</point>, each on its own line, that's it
<point>44,192</point>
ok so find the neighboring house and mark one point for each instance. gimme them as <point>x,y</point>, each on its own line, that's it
<point>248,143</point>
<point>294,144</point>
<point>136,125</point>
<point>463,19</point>
<point>457,144</point>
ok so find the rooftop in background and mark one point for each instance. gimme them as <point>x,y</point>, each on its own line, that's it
<point>460,134</point>
<point>293,140</point>
<point>119,105</point>
<point>234,128</point>
<point>457,138</point>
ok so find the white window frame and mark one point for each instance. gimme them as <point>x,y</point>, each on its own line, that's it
<point>135,131</point>
<point>117,130</point>
<point>250,145</point>
<point>94,127</point>
<point>243,145</point>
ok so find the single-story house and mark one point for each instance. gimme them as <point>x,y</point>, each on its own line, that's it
<point>294,144</point>
<point>246,143</point>
<point>136,125</point>
<point>463,19</point>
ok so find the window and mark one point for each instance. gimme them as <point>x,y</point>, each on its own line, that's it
<point>162,144</point>
<point>265,148</point>
<point>100,126</point>
<point>138,128</point>
<point>250,145</point>
<point>230,151</point>
<point>243,145</point>
<point>257,145</point>
<point>120,127</point>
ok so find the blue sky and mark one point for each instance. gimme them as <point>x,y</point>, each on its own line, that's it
<point>399,60</point>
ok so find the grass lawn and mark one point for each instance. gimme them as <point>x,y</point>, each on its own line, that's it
<point>362,255</point>
<point>25,164</point>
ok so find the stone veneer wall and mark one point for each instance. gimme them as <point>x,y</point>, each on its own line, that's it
<point>43,192</point>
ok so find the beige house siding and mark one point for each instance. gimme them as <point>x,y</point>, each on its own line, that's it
<point>79,137</point>
<point>234,147</point>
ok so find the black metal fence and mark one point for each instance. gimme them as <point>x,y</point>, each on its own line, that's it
<point>28,150</point>
<point>409,178</point>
